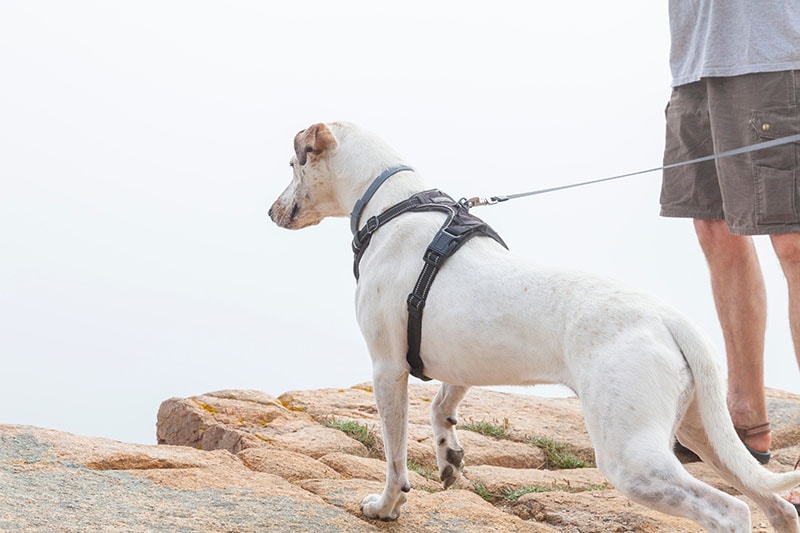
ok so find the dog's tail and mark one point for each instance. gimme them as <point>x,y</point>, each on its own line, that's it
<point>710,397</point>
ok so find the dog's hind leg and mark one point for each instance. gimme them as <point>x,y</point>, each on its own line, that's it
<point>390,385</point>
<point>781,514</point>
<point>444,416</point>
<point>645,469</point>
<point>631,417</point>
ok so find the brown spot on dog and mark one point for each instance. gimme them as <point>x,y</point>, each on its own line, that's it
<point>313,140</point>
<point>447,473</point>
<point>455,457</point>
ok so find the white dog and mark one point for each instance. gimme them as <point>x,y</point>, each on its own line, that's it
<point>643,373</point>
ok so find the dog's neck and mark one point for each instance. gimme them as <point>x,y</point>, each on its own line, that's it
<point>361,203</point>
<point>392,186</point>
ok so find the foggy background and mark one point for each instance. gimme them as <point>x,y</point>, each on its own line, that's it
<point>141,144</point>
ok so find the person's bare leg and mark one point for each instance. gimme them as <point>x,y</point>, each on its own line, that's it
<point>740,298</point>
<point>787,248</point>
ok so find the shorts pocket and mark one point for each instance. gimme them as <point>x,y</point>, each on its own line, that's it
<point>769,125</point>
<point>776,196</point>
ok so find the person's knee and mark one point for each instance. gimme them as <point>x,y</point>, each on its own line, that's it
<point>712,233</point>
<point>787,248</point>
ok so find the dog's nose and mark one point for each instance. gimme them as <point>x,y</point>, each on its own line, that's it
<point>270,212</point>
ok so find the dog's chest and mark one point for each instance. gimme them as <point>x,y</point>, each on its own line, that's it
<point>459,227</point>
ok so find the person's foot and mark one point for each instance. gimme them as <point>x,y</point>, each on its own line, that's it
<point>757,439</point>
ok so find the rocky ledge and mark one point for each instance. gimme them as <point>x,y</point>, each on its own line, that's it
<point>248,461</point>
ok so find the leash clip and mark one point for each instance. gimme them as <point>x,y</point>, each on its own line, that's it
<point>478,201</point>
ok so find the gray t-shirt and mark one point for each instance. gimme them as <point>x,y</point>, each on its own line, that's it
<point>731,37</point>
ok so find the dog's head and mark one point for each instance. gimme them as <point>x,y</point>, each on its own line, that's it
<point>311,195</point>
<point>333,165</point>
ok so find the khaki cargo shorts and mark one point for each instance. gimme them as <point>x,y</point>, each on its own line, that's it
<point>755,193</point>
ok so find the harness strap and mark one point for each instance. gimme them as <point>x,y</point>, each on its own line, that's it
<point>458,228</point>
<point>424,201</point>
<point>360,204</point>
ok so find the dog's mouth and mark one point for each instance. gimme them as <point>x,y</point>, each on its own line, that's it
<point>283,216</point>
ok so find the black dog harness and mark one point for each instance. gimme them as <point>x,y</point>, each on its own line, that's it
<point>458,228</point>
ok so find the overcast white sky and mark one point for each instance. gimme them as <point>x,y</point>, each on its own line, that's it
<point>141,144</point>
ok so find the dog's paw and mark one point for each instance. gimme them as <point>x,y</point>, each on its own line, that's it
<point>373,507</point>
<point>452,470</point>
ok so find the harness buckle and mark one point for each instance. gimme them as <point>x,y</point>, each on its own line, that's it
<point>443,244</point>
<point>372,225</point>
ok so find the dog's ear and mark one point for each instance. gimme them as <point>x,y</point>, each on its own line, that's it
<point>313,140</point>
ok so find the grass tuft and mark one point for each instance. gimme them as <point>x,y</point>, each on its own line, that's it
<point>491,429</point>
<point>360,432</point>
<point>428,472</point>
<point>513,495</point>
<point>558,454</point>
<point>481,490</point>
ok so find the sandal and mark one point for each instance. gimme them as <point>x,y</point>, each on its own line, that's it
<point>761,457</point>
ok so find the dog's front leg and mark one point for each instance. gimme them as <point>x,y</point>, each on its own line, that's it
<point>391,395</point>
<point>444,413</point>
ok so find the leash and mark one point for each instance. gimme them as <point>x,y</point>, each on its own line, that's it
<point>460,226</point>
<point>477,201</point>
